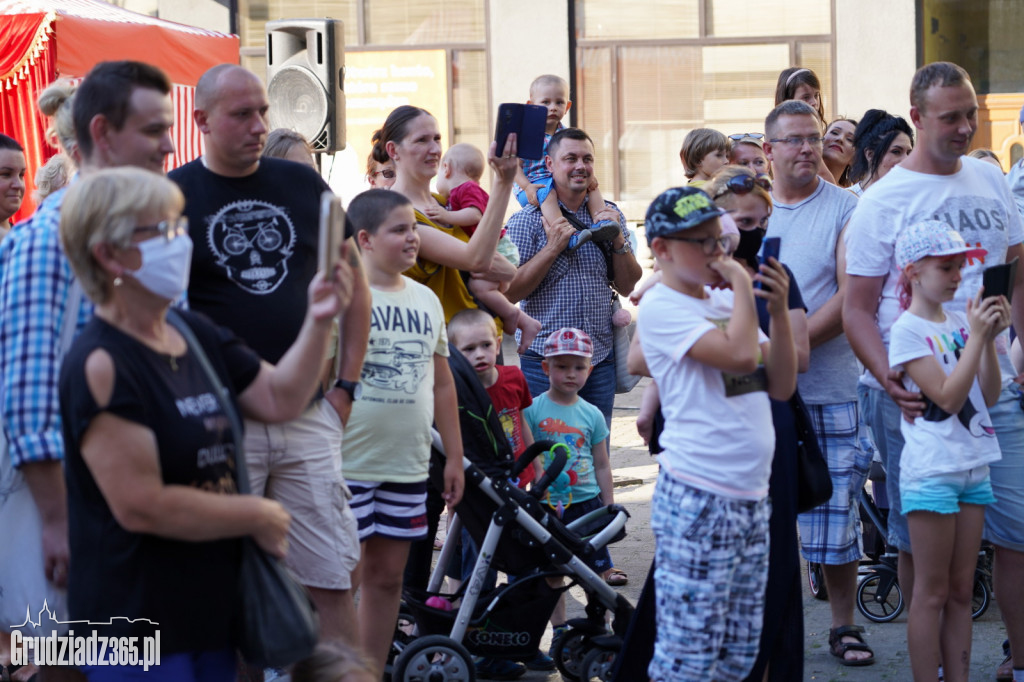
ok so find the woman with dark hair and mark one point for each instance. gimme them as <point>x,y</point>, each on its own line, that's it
<point>380,169</point>
<point>838,149</point>
<point>802,84</point>
<point>411,139</point>
<point>880,142</point>
<point>12,181</point>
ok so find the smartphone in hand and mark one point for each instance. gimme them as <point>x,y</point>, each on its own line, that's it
<point>528,122</point>
<point>332,233</point>
<point>770,249</point>
<point>998,280</point>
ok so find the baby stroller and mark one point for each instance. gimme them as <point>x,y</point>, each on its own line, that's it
<point>879,596</point>
<point>515,534</point>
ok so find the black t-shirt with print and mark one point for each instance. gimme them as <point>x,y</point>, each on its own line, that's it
<point>188,588</point>
<point>256,241</point>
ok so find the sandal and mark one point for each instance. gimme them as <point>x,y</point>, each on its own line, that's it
<point>838,647</point>
<point>1004,673</point>
<point>616,578</point>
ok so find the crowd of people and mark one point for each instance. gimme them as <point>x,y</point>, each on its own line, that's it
<point>869,326</point>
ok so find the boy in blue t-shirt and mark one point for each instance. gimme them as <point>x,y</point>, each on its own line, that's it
<point>559,414</point>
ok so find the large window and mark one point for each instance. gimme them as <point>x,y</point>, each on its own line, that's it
<point>646,77</point>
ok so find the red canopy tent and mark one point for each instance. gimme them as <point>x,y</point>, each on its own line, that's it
<point>47,39</point>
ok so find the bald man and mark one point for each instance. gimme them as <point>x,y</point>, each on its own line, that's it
<point>254,223</point>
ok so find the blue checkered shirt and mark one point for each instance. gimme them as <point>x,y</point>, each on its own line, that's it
<point>576,291</point>
<point>34,285</point>
<point>535,171</point>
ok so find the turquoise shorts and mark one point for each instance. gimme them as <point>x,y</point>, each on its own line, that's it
<point>944,493</point>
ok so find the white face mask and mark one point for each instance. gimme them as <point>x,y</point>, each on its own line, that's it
<point>166,264</point>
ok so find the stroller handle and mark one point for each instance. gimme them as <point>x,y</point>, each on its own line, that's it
<point>529,454</point>
<point>560,457</point>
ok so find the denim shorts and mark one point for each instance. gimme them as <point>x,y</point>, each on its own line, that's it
<point>944,493</point>
<point>542,193</point>
<point>1004,520</point>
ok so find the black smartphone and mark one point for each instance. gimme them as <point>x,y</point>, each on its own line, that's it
<point>998,280</point>
<point>332,232</point>
<point>770,249</point>
<point>528,122</point>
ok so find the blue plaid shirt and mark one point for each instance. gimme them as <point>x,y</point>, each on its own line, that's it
<point>34,285</point>
<point>576,292</point>
<point>535,171</point>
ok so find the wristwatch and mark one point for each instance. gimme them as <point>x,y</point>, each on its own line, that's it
<point>353,388</point>
<point>626,248</point>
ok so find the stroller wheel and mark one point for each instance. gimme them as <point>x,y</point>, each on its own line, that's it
<point>434,658</point>
<point>597,665</point>
<point>404,634</point>
<point>569,652</point>
<point>879,598</point>
<point>816,581</point>
<point>981,598</point>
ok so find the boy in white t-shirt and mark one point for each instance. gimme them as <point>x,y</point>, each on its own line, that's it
<point>407,385</point>
<point>715,370</point>
<point>944,476</point>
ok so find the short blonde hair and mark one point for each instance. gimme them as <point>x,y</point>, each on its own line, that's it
<point>549,79</point>
<point>103,208</point>
<point>281,140</point>
<point>699,143</point>
<point>53,175</point>
<point>466,158</point>
<point>56,102</point>
<point>470,317</point>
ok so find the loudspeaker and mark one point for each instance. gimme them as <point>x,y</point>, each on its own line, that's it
<point>306,79</point>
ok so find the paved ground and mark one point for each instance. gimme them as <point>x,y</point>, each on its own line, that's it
<point>635,473</point>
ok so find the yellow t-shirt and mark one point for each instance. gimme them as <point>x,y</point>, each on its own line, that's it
<point>388,432</point>
<point>444,281</point>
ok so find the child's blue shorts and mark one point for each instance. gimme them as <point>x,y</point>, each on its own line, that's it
<point>542,193</point>
<point>944,493</point>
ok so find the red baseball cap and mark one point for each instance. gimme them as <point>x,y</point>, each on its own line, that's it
<point>569,341</point>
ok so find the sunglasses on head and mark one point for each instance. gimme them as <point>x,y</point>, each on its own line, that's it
<point>742,184</point>
<point>740,136</point>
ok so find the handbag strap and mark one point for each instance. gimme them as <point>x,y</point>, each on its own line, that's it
<point>221,393</point>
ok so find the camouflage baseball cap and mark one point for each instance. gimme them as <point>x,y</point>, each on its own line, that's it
<point>678,209</point>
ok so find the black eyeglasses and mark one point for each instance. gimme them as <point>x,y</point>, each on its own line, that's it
<point>707,244</point>
<point>740,136</point>
<point>743,184</point>
<point>388,173</point>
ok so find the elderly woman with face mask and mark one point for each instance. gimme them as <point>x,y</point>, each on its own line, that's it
<point>155,518</point>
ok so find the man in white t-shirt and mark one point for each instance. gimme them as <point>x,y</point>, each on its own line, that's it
<point>938,181</point>
<point>809,215</point>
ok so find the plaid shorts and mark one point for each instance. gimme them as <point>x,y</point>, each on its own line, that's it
<point>711,566</point>
<point>830,534</point>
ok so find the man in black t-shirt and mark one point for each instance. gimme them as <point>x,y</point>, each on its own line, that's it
<point>254,223</point>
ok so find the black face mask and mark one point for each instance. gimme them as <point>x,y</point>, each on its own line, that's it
<point>750,244</point>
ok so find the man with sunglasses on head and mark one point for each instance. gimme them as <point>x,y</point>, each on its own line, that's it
<point>122,116</point>
<point>255,225</point>
<point>809,215</point>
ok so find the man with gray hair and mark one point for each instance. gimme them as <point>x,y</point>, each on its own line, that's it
<point>809,215</point>
<point>939,181</point>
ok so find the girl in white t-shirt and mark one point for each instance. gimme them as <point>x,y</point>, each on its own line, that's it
<point>944,481</point>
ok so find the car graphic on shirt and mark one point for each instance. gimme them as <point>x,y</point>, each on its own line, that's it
<point>401,367</point>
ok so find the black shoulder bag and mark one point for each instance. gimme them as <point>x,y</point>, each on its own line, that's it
<point>275,621</point>
<point>813,480</point>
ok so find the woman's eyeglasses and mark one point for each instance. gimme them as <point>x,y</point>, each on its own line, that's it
<point>743,184</point>
<point>388,173</point>
<point>168,229</point>
<point>740,136</point>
